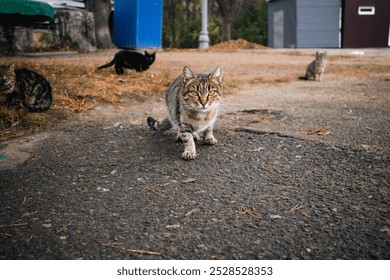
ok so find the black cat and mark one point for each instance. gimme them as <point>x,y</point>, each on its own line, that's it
<point>132,60</point>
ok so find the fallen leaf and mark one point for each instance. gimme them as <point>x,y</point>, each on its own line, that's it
<point>317,131</point>
<point>46,225</point>
<point>193,211</point>
<point>143,252</point>
<point>188,180</point>
<point>275,216</point>
<point>270,170</point>
<point>366,147</point>
<point>370,129</point>
<point>111,245</point>
<point>24,200</point>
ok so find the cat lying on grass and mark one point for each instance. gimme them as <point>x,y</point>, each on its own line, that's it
<point>25,88</point>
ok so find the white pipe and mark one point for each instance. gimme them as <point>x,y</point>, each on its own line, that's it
<point>204,35</point>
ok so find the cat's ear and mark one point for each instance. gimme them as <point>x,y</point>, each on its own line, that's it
<point>217,74</point>
<point>188,74</point>
<point>11,68</point>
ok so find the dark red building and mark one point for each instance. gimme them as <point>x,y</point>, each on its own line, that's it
<point>365,23</point>
<point>328,24</point>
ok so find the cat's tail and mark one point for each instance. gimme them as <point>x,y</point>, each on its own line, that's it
<point>303,78</point>
<point>159,126</point>
<point>111,63</point>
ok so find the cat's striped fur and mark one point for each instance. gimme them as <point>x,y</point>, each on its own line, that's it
<point>193,103</point>
<point>316,68</point>
<point>25,89</point>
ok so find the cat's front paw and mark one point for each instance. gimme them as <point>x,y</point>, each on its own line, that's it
<point>196,136</point>
<point>187,155</point>
<point>211,141</point>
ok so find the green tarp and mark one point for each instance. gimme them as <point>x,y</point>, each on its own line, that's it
<point>24,12</point>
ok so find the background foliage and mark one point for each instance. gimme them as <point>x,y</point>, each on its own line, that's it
<point>182,22</point>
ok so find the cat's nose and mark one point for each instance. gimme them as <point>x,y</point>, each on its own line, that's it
<point>204,106</point>
<point>203,102</point>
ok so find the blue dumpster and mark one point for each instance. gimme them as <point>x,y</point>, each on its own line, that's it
<point>138,23</point>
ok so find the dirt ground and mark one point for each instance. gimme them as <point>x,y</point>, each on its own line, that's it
<point>301,169</point>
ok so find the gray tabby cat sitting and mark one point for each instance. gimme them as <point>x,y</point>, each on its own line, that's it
<point>316,68</point>
<point>193,103</point>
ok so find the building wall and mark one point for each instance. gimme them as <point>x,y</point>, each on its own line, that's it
<point>282,24</point>
<point>318,24</point>
<point>366,29</point>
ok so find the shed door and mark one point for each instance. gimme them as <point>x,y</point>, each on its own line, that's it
<point>366,23</point>
<point>279,29</point>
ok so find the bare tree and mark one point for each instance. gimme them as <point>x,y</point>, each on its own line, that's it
<point>101,10</point>
<point>229,10</point>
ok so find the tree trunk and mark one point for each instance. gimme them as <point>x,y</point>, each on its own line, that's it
<point>229,10</point>
<point>226,29</point>
<point>101,10</point>
<point>172,11</point>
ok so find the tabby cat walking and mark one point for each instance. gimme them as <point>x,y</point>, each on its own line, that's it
<point>316,68</point>
<point>25,88</point>
<point>193,103</point>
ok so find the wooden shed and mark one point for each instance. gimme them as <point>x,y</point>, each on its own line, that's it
<point>366,23</point>
<point>328,24</point>
<point>304,23</point>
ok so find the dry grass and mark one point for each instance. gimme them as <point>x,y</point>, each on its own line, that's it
<point>76,88</point>
<point>14,123</point>
<point>80,88</point>
<point>357,70</point>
